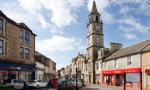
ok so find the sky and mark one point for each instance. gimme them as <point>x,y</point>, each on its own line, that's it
<point>61,25</point>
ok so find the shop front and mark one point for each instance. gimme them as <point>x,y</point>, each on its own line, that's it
<point>9,70</point>
<point>116,77</point>
<point>147,77</point>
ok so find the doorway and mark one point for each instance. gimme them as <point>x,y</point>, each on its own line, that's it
<point>118,80</point>
<point>89,78</point>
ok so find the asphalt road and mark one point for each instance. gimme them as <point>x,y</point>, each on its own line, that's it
<point>37,89</point>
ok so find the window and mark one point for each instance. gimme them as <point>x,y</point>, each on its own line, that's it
<point>27,38</point>
<point>97,66</point>
<point>96,18</point>
<point>21,34</point>
<point>54,66</point>
<point>26,52</point>
<point>1,25</point>
<point>21,53</point>
<point>116,64</point>
<point>129,62</point>
<point>1,47</point>
<point>106,65</point>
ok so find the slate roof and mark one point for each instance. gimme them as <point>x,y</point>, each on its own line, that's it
<point>94,8</point>
<point>134,49</point>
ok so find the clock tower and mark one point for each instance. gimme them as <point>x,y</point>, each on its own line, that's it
<point>95,40</point>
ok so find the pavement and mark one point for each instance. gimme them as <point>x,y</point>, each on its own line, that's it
<point>98,87</point>
<point>92,87</point>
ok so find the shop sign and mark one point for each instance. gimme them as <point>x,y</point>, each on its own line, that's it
<point>133,77</point>
<point>132,70</point>
<point>122,71</point>
<point>118,71</point>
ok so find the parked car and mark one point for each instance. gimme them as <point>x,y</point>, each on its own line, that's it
<point>17,84</point>
<point>65,84</point>
<point>37,83</point>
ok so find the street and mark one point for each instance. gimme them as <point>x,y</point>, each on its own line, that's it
<point>92,87</point>
<point>37,89</point>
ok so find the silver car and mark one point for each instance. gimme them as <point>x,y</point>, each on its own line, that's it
<point>17,84</point>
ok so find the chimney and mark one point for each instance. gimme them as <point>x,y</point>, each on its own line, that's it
<point>115,46</point>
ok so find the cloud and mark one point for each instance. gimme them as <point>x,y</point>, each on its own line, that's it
<point>62,12</point>
<point>58,44</point>
<point>125,17</point>
<point>102,6</point>
<point>43,22</point>
<point>134,23</point>
<point>130,36</point>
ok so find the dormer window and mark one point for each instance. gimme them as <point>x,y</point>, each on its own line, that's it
<point>1,25</point>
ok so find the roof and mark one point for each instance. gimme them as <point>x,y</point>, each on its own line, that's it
<point>21,25</point>
<point>94,8</point>
<point>24,26</point>
<point>78,56</point>
<point>134,49</point>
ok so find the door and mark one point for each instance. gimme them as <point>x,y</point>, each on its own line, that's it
<point>118,80</point>
<point>89,78</point>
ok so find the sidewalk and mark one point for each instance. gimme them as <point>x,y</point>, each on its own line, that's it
<point>111,87</point>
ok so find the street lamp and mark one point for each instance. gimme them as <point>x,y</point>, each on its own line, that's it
<point>18,68</point>
<point>76,78</point>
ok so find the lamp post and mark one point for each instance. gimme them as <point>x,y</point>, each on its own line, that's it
<point>18,68</point>
<point>124,86</point>
<point>76,78</point>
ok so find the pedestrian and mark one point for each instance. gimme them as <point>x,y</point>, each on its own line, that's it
<point>25,85</point>
<point>50,85</point>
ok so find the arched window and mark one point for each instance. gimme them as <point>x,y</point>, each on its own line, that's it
<point>96,18</point>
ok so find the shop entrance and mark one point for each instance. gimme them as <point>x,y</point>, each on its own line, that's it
<point>118,81</point>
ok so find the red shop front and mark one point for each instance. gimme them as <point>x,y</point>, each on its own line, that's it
<point>115,77</point>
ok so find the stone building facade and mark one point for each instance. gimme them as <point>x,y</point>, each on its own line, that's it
<point>79,67</point>
<point>146,68</point>
<point>128,64</point>
<point>45,68</point>
<point>17,46</point>
<point>95,41</point>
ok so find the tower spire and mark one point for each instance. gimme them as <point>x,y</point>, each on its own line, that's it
<point>94,8</point>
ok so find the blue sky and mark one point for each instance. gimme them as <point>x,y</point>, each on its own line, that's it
<point>61,29</point>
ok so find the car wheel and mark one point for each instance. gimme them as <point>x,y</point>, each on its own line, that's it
<point>37,86</point>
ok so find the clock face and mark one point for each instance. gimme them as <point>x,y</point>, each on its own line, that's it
<point>97,28</point>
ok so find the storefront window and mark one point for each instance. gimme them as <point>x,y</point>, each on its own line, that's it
<point>148,79</point>
<point>1,76</point>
